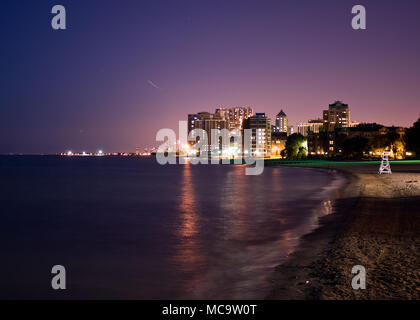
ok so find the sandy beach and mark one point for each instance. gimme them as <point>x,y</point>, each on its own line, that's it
<point>376,224</point>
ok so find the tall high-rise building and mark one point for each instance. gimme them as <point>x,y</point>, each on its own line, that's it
<point>260,135</point>
<point>337,116</point>
<point>223,113</point>
<point>235,116</point>
<point>206,121</point>
<point>281,122</point>
<point>192,118</point>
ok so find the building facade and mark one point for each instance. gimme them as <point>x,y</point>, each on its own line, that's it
<point>281,124</point>
<point>206,121</point>
<point>278,143</point>
<point>337,116</point>
<point>321,143</point>
<point>315,126</point>
<point>260,135</point>
<point>235,116</point>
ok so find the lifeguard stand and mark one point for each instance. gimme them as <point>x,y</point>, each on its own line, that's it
<point>385,166</point>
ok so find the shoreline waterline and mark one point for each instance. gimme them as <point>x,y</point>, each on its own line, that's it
<point>131,228</point>
<point>376,225</point>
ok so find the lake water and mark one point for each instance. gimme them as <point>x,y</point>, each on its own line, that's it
<point>127,227</point>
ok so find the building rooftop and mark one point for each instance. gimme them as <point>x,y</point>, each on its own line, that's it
<point>281,113</point>
<point>338,103</point>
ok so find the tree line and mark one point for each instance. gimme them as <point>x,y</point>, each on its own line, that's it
<point>357,147</point>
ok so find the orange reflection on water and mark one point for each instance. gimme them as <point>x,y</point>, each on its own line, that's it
<point>327,207</point>
<point>187,205</point>
<point>187,256</point>
<point>235,204</point>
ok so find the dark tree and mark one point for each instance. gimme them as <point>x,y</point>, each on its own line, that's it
<point>413,138</point>
<point>354,147</point>
<point>283,153</point>
<point>379,141</point>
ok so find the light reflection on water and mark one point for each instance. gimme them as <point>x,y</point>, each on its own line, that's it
<point>250,231</point>
<point>188,256</point>
<point>130,228</point>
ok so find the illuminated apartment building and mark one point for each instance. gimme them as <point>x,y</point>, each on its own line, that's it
<point>337,116</point>
<point>206,121</point>
<point>304,128</point>
<point>260,135</point>
<point>235,116</point>
<point>281,123</point>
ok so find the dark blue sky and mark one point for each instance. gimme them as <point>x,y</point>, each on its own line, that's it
<point>125,69</point>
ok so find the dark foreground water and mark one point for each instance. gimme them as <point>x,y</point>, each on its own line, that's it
<point>130,228</point>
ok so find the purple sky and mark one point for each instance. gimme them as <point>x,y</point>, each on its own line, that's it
<point>125,69</point>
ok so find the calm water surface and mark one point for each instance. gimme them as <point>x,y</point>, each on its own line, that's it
<point>130,228</point>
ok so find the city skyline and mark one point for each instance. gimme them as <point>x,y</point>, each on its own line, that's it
<point>232,119</point>
<point>112,86</point>
<point>206,158</point>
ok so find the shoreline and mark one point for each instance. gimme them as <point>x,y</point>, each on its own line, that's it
<point>376,224</point>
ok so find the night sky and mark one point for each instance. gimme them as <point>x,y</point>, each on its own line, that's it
<point>125,69</point>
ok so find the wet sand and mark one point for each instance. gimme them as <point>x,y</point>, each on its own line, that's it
<point>376,223</point>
